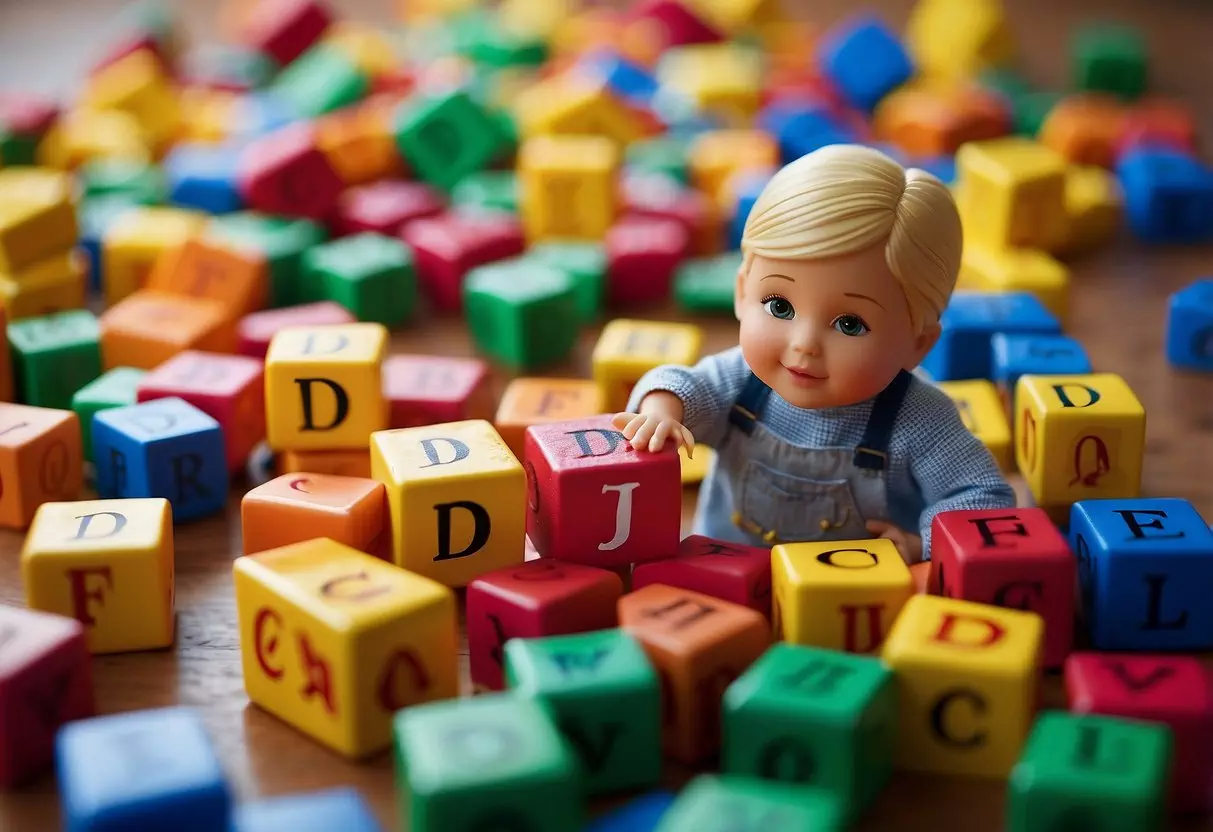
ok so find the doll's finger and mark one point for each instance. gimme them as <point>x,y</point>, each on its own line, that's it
<point>644,434</point>
<point>659,436</point>
<point>688,439</point>
<point>630,429</point>
<point>621,420</point>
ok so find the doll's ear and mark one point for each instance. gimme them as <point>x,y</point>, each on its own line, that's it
<point>924,342</point>
<point>739,291</point>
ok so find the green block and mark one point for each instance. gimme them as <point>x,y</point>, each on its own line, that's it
<point>491,190</point>
<point>494,761</point>
<point>707,284</point>
<point>586,264</point>
<point>1110,58</point>
<point>813,716</point>
<point>1029,111</point>
<point>446,137</point>
<point>729,803</point>
<point>319,81</point>
<point>282,242</point>
<point>142,182</point>
<point>524,315</point>
<point>17,148</point>
<point>494,45</point>
<point>665,154</point>
<point>1082,771</point>
<point>605,697</point>
<point>370,274</point>
<point>116,388</point>
<point>54,356</point>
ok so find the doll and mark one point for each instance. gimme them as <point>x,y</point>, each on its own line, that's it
<point>821,429</point>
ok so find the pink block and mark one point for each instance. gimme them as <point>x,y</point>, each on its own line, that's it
<point>728,571</point>
<point>642,255</point>
<point>258,329</point>
<point>432,389</point>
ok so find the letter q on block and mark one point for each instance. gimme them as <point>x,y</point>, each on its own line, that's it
<point>592,498</point>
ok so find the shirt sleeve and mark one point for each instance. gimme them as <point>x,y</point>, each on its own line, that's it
<point>707,391</point>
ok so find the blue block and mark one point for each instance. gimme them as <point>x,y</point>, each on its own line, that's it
<point>149,770</point>
<point>641,814</point>
<point>749,187</point>
<point>1016,355</point>
<point>942,167</point>
<point>964,349</point>
<point>260,113</point>
<point>1145,567</point>
<point>1190,327</point>
<point>331,810</point>
<point>1168,195</point>
<point>204,177</point>
<point>866,61</point>
<point>629,81</point>
<point>801,128</point>
<point>163,448</point>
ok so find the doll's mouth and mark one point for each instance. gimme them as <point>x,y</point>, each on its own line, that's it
<point>804,376</point>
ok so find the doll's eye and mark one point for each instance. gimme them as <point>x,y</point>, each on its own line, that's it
<point>852,325</point>
<point>779,307</point>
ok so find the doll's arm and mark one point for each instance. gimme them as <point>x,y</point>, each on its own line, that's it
<point>705,392</point>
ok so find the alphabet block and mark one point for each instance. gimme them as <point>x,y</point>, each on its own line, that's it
<point>605,698</point>
<point>570,104</point>
<point>334,641</point>
<point>1190,327</point>
<point>82,135</point>
<point>971,319</point>
<point>203,176</point>
<point>456,497</point>
<point>285,30</point>
<point>1094,208</point>
<point>488,190</point>
<point>1141,564</point>
<point>629,348</point>
<point>280,241</point>
<point>522,314</point>
<point>358,140</point>
<point>386,206</point>
<point>115,388</point>
<point>432,389</point>
<point>286,173</point>
<point>640,814</point>
<point>1168,195</point>
<point>109,565</point>
<point>484,761</point>
<point>133,243</point>
<point>368,273</point>
<point>137,84</point>
<point>699,646</point>
<point>1019,270</point>
<point>539,401</point>
<point>1109,58</point>
<point>1035,355</point>
<point>46,680</point>
<point>338,463</point>
<point>567,186</point>
<point>926,120</point>
<point>1159,122</point>
<point>593,499</point>
<point>967,679</point>
<point>983,413</point>
<point>297,507</point>
<point>147,328</point>
<point>6,360</point>
<point>321,80</point>
<point>1012,193</point>
<point>164,448</point>
<point>1172,690</point>
<point>956,39</point>
<point>642,256</point>
<point>54,356</point>
<point>530,600</point>
<point>445,248</point>
<point>255,331</point>
<point>816,718</point>
<point>335,808</point>
<point>38,218</point>
<point>1078,437</point>
<point>58,283</point>
<point>225,272</point>
<point>865,60</point>
<point>1014,558</point>
<point>664,196</point>
<point>728,571</point>
<point>140,770</point>
<point>720,802</point>
<point>841,595</point>
<point>323,386</point>
<point>446,136</point>
<point>1085,129</point>
<point>706,285</point>
<point>1101,772</point>
<point>40,460</point>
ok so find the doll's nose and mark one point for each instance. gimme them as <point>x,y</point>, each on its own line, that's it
<point>806,340</point>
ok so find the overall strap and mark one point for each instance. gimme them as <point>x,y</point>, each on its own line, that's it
<point>749,404</point>
<point>873,451</point>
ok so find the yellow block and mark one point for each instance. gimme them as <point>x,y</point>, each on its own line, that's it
<point>1079,437</point>
<point>136,84</point>
<point>732,16</point>
<point>364,45</point>
<point>627,349</point>
<point>1093,208</point>
<point>109,565</point>
<point>324,388</point>
<point>723,79</point>
<point>37,217</point>
<point>335,641</point>
<point>83,135</point>
<point>984,413</point>
<point>568,187</point>
<point>839,594</point>
<point>1012,193</point>
<point>457,498</point>
<point>967,676</point>
<point>134,242</point>
<point>717,155</point>
<point>566,105</point>
<point>1019,270</point>
<point>696,468</point>
<point>207,115</point>
<point>956,39</point>
<point>59,282</point>
<point>537,18</point>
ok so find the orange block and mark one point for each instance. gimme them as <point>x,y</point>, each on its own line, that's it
<point>298,507</point>
<point>346,463</point>
<point>699,645</point>
<point>934,121</point>
<point>41,461</point>
<point>235,277</point>
<point>6,361</point>
<point>925,583</point>
<point>537,401</point>
<point>1086,129</point>
<point>147,328</point>
<point>718,154</point>
<point>359,143</point>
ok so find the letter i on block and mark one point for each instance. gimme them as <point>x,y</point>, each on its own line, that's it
<point>324,386</point>
<point>627,349</point>
<point>967,685</point>
<point>456,497</point>
<point>592,498</point>
<point>334,641</point>
<point>109,565</point>
<point>842,595</point>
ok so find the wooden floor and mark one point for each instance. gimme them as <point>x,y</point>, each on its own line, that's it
<point>1118,313</point>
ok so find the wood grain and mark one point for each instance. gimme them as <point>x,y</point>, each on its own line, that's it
<point>1118,313</point>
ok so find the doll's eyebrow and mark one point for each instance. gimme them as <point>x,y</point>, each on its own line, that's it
<point>865,297</point>
<point>784,276</point>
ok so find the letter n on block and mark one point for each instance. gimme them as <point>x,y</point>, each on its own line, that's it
<point>968,677</point>
<point>334,641</point>
<point>593,499</point>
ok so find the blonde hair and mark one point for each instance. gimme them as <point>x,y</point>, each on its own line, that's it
<point>841,199</point>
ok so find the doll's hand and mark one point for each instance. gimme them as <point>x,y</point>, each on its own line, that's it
<point>651,431</point>
<point>908,545</point>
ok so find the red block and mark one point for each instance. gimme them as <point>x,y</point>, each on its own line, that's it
<point>1174,690</point>
<point>385,207</point>
<point>26,114</point>
<point>1157,122</point>
<point>447,247</point>
<point>432,389</point>
<point>46,680</point>
<point>656,196</point>
<point>228,388</point>
<point>286,173</point>
<point>538,598</point>
<point>593,499</point>
<point>728,571</point>
<point>258,329</point>
<point>680,25</point>
<point>642,256</point>
<point>1013,558</point>
<point>284,29</point>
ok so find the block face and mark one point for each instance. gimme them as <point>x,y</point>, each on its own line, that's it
<point>715,803</point>
<point>40,460</point>
<point>627,349</point>
<point>54,356</point>
<point>1038,355</point>
<point>337,808</point>
<point>115,388</point>
<point>522,314</point>
<point>279,240</point>
<point>1190,326</point>
<point>535,401</point>
<point>431,389</point>
<point>964,349</point>
<point>147,328</point>
<point>567,186</point>
<point>728,571</point>
<point>38,218</point>
<point>213,270</point>
<point>140,768</point>
<point>133,243</point>
<point>1013,192</point>
<point>370,274</point>
<point>982,412</point>
<point>298,507</point>
<point>444,138</point>
<point>257,330</point>
<point>1168,194</point>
